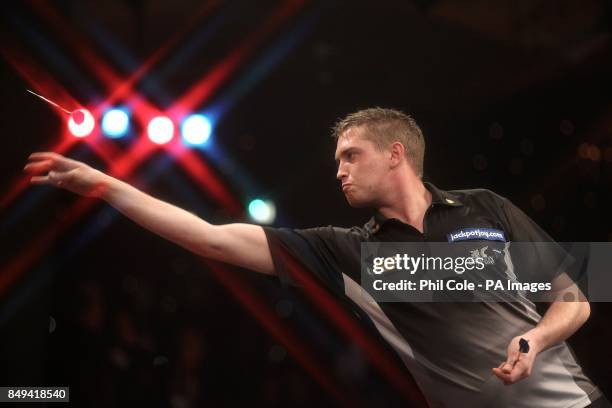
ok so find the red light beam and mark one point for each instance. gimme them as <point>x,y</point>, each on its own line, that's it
<point>204,87</point>
<point>255,304</point>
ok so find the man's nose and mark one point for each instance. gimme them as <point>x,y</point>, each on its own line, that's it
<point>341,174</point>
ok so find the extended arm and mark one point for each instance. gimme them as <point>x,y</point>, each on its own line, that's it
<point>243,245</point>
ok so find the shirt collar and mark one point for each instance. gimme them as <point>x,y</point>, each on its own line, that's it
<point>438,196</point>
<point>442,197</point>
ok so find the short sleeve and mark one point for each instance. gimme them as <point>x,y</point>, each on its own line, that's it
<point>535,255</point>
<point>321,251</point>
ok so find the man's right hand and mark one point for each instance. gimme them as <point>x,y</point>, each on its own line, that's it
<point>57,170</point>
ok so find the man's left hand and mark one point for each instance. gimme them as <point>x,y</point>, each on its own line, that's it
<point>518,365</point>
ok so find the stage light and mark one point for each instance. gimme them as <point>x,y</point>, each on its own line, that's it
<point>160,129</point>
<point>196,129</point>
<point>262,212</point>
<point>115,123</point>
<point>81,123</point>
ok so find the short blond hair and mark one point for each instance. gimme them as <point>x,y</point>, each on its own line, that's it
<point>386,126</point>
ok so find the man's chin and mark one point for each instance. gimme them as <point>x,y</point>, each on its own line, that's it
<point>355,202</point>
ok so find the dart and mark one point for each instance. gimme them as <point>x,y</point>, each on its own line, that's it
<point>80,123</point>
<point>76,115</point>
<point>523,345</point>
<point>49,101</point>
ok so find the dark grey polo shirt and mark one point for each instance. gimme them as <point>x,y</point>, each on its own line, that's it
<point>449,348</point>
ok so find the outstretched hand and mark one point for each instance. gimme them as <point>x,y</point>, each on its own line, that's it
<point>56,170</point>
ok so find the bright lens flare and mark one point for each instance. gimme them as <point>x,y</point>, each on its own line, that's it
<point>262,212</point>
<point>81,128</point>
<point>115,123</point>
<point>196,129</point>
<point>160,130</point>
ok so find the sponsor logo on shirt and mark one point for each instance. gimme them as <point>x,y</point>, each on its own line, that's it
<point>468,234</point>
<point>482,255</point>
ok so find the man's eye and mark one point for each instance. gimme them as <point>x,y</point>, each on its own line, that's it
<point>350,155</point>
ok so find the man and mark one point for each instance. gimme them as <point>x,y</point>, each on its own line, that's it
<point>460,354</point>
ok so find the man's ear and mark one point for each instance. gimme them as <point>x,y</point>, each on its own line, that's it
<point>397,153</point>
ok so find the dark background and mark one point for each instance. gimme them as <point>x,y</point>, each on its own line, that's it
<point>513,96</point>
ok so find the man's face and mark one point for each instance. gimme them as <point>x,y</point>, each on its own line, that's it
<point>361,168</point>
